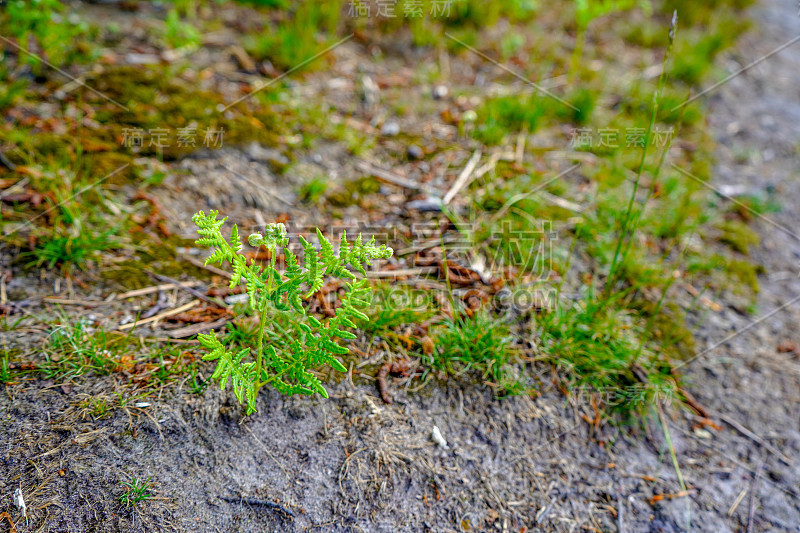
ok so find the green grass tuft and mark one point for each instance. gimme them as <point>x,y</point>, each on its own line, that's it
<point>136,493</point>
<point>481,344</point>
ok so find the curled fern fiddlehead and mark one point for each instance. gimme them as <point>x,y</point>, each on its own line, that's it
<point>285,362</point>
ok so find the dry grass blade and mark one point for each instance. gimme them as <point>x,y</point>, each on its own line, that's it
<point>165,314</point>
<point>463,178</point>
<point>388,176</point>
<point>156,288</point>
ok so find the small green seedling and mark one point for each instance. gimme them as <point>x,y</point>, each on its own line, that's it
<point>137,492</point>
<point>298,341</point>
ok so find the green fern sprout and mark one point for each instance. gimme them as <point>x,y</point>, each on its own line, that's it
<point>278,298</point>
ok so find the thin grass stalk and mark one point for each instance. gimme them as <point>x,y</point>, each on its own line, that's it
<point>612,274</point>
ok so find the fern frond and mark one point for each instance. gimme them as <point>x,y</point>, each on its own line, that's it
<point>285,363</point>
<point>231,368</point>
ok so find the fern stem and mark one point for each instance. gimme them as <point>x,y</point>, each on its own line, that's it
<point>262,315</point>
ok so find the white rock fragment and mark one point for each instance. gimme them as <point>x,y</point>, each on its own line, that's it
<point>141,405</point>
<point>236,299</point>
<point>390,128</point>
<point>438,438</point>
<point>19,502</point>
<point>703,434</point>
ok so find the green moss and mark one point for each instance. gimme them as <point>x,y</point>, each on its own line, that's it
<point>668,329</point>
<point>696,49</point>
<point>105,163</point>
<point>11,354</point>
<point>297,36</point>
<point>739,276</point>
<point>353,192</point>
<point>504,115</point>
<point>646,33</point>
<point>159,100</point>
<point>313,191</point>
<point>583,102</point>
<point>155,255</point>
<point>150,101</point>
<point>53,146</point>
<point>600,344</point>
<point>692,12</point>
<point>738,236</point>
<point>747,274</point>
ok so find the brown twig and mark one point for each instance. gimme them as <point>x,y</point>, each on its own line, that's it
<point>401,366</point>
<point>211,268</point>
<point>186,288</point>
<point>160,305</point>
<point>755,438</point>
<point>751,513</point>
<point>260,503</point>
<point>403,272</point>
<point>165,314</point>
<point>388,176</point>
<point>150,290</point>
<point>10,523</point>
<point>65,301</point>
<point>194,329</point>
<point>10,166</point>
<point>693,403</point>
<point>154,219</point>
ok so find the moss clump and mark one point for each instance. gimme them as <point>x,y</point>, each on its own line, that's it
<point>160,256</point>
<point>353,192</point>
<point>168,117</point>
<point>747,273</point>
<point>105,163</point>
<point>668,329</point>
<point>693,13</point>
<point>738,236</point>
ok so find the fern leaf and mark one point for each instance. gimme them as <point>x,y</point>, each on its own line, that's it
<point>296,302</point>
<point>314,273</point>
<point>332,346</point>
<point>235,242</point>
<point>326,250</point>
<point>314,382</point>
<point>292,266</point>
<point>342,334</point>
<point>238,272</point>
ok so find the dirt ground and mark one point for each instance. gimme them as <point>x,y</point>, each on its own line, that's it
<point>354,463</point>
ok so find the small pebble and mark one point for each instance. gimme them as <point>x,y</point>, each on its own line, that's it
<point>440,92</point>
<point>427,205</point>
<point>236,299</point>
<point>19,502</point>
<point>415,152</point>
<point>703,434</point>
<point>390,129</point>
<point>438,438</point>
